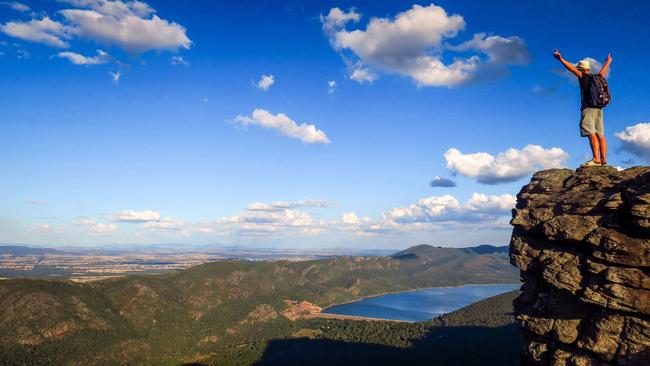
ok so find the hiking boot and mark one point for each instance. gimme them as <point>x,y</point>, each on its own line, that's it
<point>591,163</point>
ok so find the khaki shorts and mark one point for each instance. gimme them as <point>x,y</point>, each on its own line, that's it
<point>591,121</point>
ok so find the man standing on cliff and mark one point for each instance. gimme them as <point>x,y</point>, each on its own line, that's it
<point>591,118</point>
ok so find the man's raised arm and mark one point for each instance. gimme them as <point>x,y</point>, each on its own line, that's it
<point>567,64</point>
<point>605,69</point>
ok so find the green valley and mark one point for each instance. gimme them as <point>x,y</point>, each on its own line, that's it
<point>238,312</point>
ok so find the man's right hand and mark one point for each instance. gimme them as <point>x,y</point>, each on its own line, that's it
<point>569,66</point>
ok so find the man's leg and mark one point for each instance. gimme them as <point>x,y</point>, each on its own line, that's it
<point>603,148</point>
<point>600,132</point>
<point>591,125</point>
<point>595,146</point>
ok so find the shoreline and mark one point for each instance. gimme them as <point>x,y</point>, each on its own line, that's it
<point>356,317</point>
<point>397,292</point>
<point>416,289</point>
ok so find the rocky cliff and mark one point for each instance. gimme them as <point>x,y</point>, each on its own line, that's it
<point>582,242</point>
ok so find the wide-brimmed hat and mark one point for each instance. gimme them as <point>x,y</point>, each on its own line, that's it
<point>583,65</point>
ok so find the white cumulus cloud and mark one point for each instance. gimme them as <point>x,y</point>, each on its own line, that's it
<point>491,204</point>
<point>96,228</point>
<point>425,210</point>
<point>43,30</point>
<point>264,219</point>
<point>636,140</point>
<point>350,218</point>
<point>135,216</point>
<point>307,133</point>
<point>101,229</point>
<point>411,44</point>
<point>101,58</point>
<point>507,166</point>
<point>265,82</point>
<point>284,221</point>
<point>165,224</point>
<point>130,25</point>
<point>436,212</point>
<point>479,209</point>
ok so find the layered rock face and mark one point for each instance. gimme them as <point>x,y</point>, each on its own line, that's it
<point>582,242</point>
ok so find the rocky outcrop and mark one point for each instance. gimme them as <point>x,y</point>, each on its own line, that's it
<point>298,310</point>
<point>582,242</point>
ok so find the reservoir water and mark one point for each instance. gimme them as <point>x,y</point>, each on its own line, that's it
<point>420,304</point>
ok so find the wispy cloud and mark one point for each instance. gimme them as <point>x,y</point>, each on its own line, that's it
<point>281,205</point>
<point>101,58</point>
<point>361,74</point>
<point>16,6</point>
<point>178,60</point>
<point>45,229</point>
<point>22,54</point>
<point>307,133</point>
<point>337,19</point>
<point>540,89</point>
<point>135,216</point>
<point>115,76</point>
<point>331,86</point>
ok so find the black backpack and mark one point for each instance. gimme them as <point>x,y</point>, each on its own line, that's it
<point>597,92</point>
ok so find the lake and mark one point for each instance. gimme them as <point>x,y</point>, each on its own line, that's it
<point>420,304</point>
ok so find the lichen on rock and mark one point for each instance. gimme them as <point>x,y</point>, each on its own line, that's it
<point>582,241</point>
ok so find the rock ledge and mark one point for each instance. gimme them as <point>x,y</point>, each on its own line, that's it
<point>582,242</point>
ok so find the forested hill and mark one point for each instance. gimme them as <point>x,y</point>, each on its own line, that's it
<point>210,307</point>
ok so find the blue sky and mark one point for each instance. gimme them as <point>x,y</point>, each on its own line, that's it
<point>369,102</point>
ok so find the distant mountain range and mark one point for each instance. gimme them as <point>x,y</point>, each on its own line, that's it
<point>218,308</point>
<point>19,250</point>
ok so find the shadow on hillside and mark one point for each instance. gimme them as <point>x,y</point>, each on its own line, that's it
<point>442,346</point>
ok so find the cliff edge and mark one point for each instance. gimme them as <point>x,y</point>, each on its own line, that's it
<point>582,241</point>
